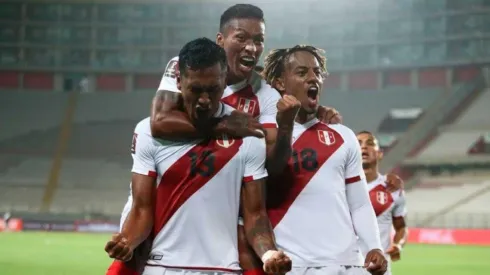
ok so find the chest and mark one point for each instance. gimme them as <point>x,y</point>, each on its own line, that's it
<point>199,160</point>
<point>244,100</point>
<point>382,201</point>
<point>318,153</point>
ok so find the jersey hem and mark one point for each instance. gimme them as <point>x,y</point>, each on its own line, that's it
<point>197,268</point>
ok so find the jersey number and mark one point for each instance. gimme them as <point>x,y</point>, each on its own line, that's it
<point>202,164</point>
<point>305,159</point>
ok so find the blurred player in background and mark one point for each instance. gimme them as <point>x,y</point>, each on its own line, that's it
<point>389,207</point>
<point>319,204</point>
<point>187,194</point>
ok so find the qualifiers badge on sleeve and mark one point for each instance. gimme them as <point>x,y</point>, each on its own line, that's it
<point>133,143</point>
<point>172,69</point>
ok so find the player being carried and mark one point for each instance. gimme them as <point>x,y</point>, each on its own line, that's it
<point>319,204</point>
<point>389,207</point>
<point>186,195</point>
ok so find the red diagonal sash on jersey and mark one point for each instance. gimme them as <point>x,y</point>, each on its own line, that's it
<point>178,183</point>
<point>324,141</point>
<point>381,199</point>
<point>244,100</point>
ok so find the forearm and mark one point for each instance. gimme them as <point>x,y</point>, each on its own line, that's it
<point>174,124</point>
<point>363,216</point>
<point>259,233</point>
<point>400,237</point>
<point>138,226</point>
<point>278,154</point>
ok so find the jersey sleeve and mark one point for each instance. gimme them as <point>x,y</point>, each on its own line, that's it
<point>269,111</point>
<point>143,157</point>
<point>255,155</point>
<point>169,78</point>
<point>400,208</point>
<point>353,168</point>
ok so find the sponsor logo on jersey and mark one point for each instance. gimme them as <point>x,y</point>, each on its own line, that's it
<point>246,105</point>
<point>133,143</point>
<point>326,137</point>
<point>172,69</point>
<point>382,197</point>
<point>225,141</point>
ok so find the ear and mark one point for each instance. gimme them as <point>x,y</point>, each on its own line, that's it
<point>179,85</point>
<point>279,84</point>
<point>380,155</point>
<point>220,39</point>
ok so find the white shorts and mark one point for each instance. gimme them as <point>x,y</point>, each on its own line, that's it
<point>328,270</point>
<point>158,270</point>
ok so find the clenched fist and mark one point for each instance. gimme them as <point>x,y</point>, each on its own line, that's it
<point>375,262</point>
<point>118,248</point>
<point>276,262</point>
<point>287,109</point>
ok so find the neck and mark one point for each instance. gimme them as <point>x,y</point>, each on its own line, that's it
<point>233,79</point>
<point>371,173</point>
<point>304,117</point>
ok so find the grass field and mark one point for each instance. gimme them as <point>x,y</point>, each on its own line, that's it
<point>83,254</point>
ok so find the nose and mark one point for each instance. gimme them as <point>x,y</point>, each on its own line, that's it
<point>313,78</point>
<point>250,47</point>
<point>204,100</point>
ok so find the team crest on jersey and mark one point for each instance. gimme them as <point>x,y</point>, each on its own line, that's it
<point>133,143</point>
<point>172,69</point>
<point>225,141</point>
<point>246,105</point>
<point>326,137</point>
<point>382,197</point>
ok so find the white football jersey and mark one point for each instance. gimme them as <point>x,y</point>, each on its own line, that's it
<point>253,96</point>
<point>386,206</point>
<point>309,209</point>
<point>198,196</point>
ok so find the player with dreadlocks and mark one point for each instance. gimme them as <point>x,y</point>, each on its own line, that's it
<point>320,204</point>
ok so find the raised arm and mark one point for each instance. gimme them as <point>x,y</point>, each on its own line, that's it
<point>279,141</point>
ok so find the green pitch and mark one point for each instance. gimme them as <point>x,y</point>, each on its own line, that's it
<point>83,254</point>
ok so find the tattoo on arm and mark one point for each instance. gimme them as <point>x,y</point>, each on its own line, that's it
<point>257,226</point>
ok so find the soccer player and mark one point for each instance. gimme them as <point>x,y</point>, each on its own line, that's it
<point>319,205</point>
<point>389,207</point>
<point>186,194</point>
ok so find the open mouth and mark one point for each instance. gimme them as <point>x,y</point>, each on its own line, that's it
<point>313,96</point>
<point>247,61</point>
<point>313,92</point>
<point>365,155</point>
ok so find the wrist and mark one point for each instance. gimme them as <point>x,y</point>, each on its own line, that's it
<point>267,255</point>
<point>399,246</point>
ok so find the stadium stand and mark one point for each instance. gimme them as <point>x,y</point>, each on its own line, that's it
<point>472,124</point>
<point>459,201</point>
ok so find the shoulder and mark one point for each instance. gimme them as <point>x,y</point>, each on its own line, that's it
<point>254,144</point>
<point>345,132</point>
<point>263,90</point>
<point>143,127</point>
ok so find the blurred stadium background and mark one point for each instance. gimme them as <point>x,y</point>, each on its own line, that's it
<point>77,75</point>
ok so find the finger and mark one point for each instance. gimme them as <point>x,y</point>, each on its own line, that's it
<point>116,237</point>
<point>109,246</point>
<point>255,133</point>
<point>116,251</point>
<point>373,267</point>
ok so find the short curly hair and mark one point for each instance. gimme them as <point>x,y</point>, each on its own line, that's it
<point>275,61</point>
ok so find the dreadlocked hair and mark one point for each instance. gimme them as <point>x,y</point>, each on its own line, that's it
<point>275,61</point>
